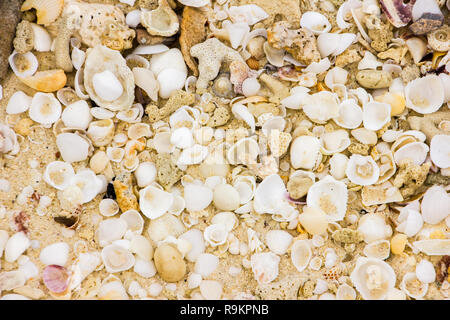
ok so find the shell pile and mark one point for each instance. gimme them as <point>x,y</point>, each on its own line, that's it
<point>301,158</point>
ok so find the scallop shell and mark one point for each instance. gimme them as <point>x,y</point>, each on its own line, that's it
<point>265,266</point>
<point>362,170</point>
<point>373,278</point>
<point>315,22</point>
<point>45,108</point>
<point>154,202</point>
<point>301,254</point>
<point>305,152</point>
<point>330,196</point>
<point>18,103</point>
<point>58,174</point>
<point>425,95</point>
<point>116,77</point>
<point>162,21</point>
<point>117,258</point>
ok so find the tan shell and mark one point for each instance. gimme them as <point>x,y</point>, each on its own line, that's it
<point>439,39</point>
<point>100,59</point>
<point>162,21</point>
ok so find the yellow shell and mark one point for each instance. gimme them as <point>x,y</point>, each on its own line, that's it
<point>46,81</point>
<point>397,102</point>
<point>47,11</point>
<point>398,243</point>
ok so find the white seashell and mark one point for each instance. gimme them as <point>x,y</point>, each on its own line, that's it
<point>425,271</point>
<point>417,151</point>
<point>193,155</point>
<point>116,258</point>
<point>417,47</point>
<point>226,197</point>
<point>182,138</point>
<point>338,165</point>
<point>327,43</point>
<point>350,115</point>
<point>369,61</point>
<point>345,292</point>
<point>101,132</point>
<point>244,151</point>
<point>110,230</point>
<point>425,95</point>
<point>410,221</point>
<point>72,147</point>
<point>374,227</point>
<point>295,100</point>
<point>362,170</point>
<point>265,267</point>
<point>28,64</point>
<point>315,22</point>
<point>440,150</point>
<point>154,202</point>
<point>301,254</point>
<point>197,197</point>
<point>274,56</point>
<point>194,3</point>
<point>194,280</point>
<point>376,115</point>
<point>107,86</point>
<point>250,87</point>
<point>318,67</point>
<point>112,290</point>
<point>227,219</point>
<point>215,234</point>
<point>88,183</point>
<point>115,154</point>
<point>433,247</point>
<point>269,195</point>
<point>206,264</point>
<point>241,112</point>
<point>101,113</point>
<point>145,79</point>
<point>137,61</point>
<point>141,246</point>
<point>305,152</point>
<point>245,186</point>
<point>45,108</point>
<point>133,18</point>
<point>373,278</point>
<point>278,241</point>
<point>150,49</point>
<point>145,174</point>
<point>330,196</point>
<point>77,115</point>
<point>18,103</point>
<point>315,263</point>
<point>211,290</point>
<point>409,285</point>
<point>17,244</point>
<point>336,76</point>
<point>178,205</point>
<point>164,226</point>
<point>42,40</point>
<point>58,174</point>
<point>237,32</point>
<point>379,249</point>
<point>161,142</point>
<point>321,106</point>
<point>195,238</point>
<point>335,141</point>
<point>365,136</point>
<point>56,253</point>
<point>108,207</point>
<point>144,268</point>
<point>249,13</point>
<point>78,57</point>
<point>343,13</point>
<point>435,205</point>
<point>134,220</point>
<point>330,258</point>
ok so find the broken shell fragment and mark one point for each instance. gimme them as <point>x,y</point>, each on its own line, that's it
<point>15,246</point>
<point>47,11</point>
<point>265,266</point>
<point>425,95</point>
<point>435,205</point>
<point>46,81</point>
<point>305,152</point>
<point>376,115</point>
<point>154,202</point>
<point>72,147</point>
<point>301,254</point>
<point>397,12</point>
<point>162,21</point>
<point>378,249</point>
<point>18,103</point>
<point>315,22</point>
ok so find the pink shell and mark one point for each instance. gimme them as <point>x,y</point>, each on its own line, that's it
<point>56,278</point>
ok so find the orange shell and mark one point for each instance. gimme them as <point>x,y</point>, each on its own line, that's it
<point>46,81</point>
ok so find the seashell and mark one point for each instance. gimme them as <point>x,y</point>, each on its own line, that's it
<point>335,141</point>
<point>433,247</point>
<point>169,263</point>
<point>18,103</point>
<point>145,174</point>
<point>23,65</point>
<point>439,150</point>
<point>115,154</point>
<point>72,147</point>
<point>197,197</point>
<point>374,227</point>
<point>211,290</point>
<point>369,61</point>
<point>278,241</point>
<point>164,226</point>
<point>387,166</point>
<point>145,79</point>
<point>249,13</point>
<point>417,47</point>
<point>270,191</point>
<point>338,164</point>
<point>245,186</point>
<point>107,79</point>
<point>435,205</point>
<point>425,95</point>
<point>334,43</point>
<point>412,286</point>
<point>274,56</point>
<point>237,32</point>
<point>365,136</point>
<point>112,290</point>
<point>182,138</point>
<point>80,90</point>
<point>101,132</point>
<point>206,264</point>
<point>78,57</point>
<point>137,61</point>
<point>45,108</point>
<point>315,22</point>
<point>77,115</point>
<point>150,49</point>
<point>154,202</point>
<point>58,174</point>
<point>46,81</point>
<point>417,151</point>
<point>376,115</point>
<point>265,267</point>
<point>345,292</point>
<point>439,39</point>
<point>195,238</point>
<point>215,234</point>
<point>110,230</point>
<point>225,197</point>
<point>88,183</point>
<point>318,67</point>
<point>305,152</point>
<point>47,11</point>
<point>108,207</point>
<point>378,249</point>
<point>178,205</point>
<point>55,254</point>
<point>350,115</point>
<point>56,278</point>
<point>330,196</point>
<point>141,247</point>
<point>244,151</point>
<point>410,221</point>
<point>314,220</point>
<point>134,220</point>
<point>132,115</point>
<point>373,278</point>
<point>301,254</point>
<point>194,3</point>
<point>162,21</point>
<point>321,106</point>
<point>193,155</point>
<point>17,244</point>
<point>426,16</point>
<point>117,258</point>
<point>144,268</point>
<point>133,18</point>
<point>362,170</point>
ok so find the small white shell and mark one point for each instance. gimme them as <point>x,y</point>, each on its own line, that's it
<point>216,234</point>
<point>301,254</point>
<point>305,152</point>
<point>15,246</point>
<point>425,95</point>
<point>58,174</point>
<point>145,174</point>
<point>362,170</point>
<point>211,290</point>
<point>265,266</point>
<point>206,264</point>
<point>195,238</point>
<point>409,285</point>
<point>369,61</point>
<point>241,112</point>
<point>107,86</point>
<point>88,183</point>
<point>45,108</point>
<point>237,32</point>
<point>345,292</point>
<point>350,115</point>
<point>18,103</point>
<point>248,13</point>
<point>78,56</point>
<point>410,221</point>
<point>435,205</point>
<point>112,290</point>
<point>338,164</point>
<point>274,56</point>
<point>440,150</point>
<point>278,241</point>
<point>170,70</point>
<point>197,197</point>
<point>110,230</point>
<point>244,151</point>
<point>145,79</point>
<point>72,147</point>
<point>141,246</point>
<point>365,136</point>
<point>378,249</point>
<point>28,64</point>
<point>154,202</point>
<point>295,100</point>
<point>117,258</point>
<point>42,40</point>
<point>226,197</point>
<point>417,151</point>
<point>425,271</point>
<point>374,227</point>
<point>193,155</point>
<point>77,115</point>
<point>56,253</point>
<point>376,115</point>
<point>133,18</point>
<point>315,22</point>
<point>334,141</point>
<point>134,220</point>
<point>108,207</point>
<point>321,106</point>
<point>182,138</point>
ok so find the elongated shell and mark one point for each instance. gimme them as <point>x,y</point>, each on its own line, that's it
<point>301,254</point>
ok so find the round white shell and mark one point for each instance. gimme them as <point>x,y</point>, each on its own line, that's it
<point>154,202</point>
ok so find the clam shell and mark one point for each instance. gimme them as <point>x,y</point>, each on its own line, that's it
<point>376,115</point>
<point>55,254</point>
<point>315,22</point>
<point>265,266</point>
<point>44,108</point>
<point>278,241</point>
<point>110,230</point>
<point>58,174</point>
<point>321,106</point>
<point>18,103</point>
<point>301,254</point>
<point>89,184</point>
<point>374,227</point>
<point>378,249</point>
<point>215,234</point>
<point>101,132</point>
<point>77,115</point>
<point>417,151</point>
<point>195,238</point>
<point>134,220</point>
<point>335,141</point>
<point>117,258</point>
<point>350,115</point>
<point>108,207</point>
<point>197,197</point>
<point>23,65</point>
<point>433,247</point>
<point>338,164</point>
<point>365,136</point>
<point>435,205</point>
<point>164,226</point>
<point>162,21</point>
<point>72,147</point>
<point>248,13</point>
<point>409,286</point>
<point>362,170</point>
<point>305,152</point>
<point>440,150</point>
<point>154,202</point>
<point>193,155</point>
<point>47,11</point>
<point>425,95</point>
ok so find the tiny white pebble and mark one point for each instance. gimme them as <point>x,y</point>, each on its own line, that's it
<point>219,134</point>
<point>5,186</point>
<point>33,163</point>
<point>44,201</point>
<point>155,289</point>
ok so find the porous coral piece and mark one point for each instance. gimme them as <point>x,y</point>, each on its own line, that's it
<point>298,186</point>
<point>395,53</point>
<point>347,236</point>
<point>258,109</point>
<point>358,148</point>
<point>126,199</point>
<point>278,89</point>
<point>177,99</point>
<point>301,43</point>
<point>347,57</point>
<point>374,79</point>
<point>380,33</point>
<point>279,142</point>
<point>284,289</point>
<point>9,17</point>
<point>211,54</point>
<point>24,40</point>
<point>428,124</point>
<point>220,117</point>
<point>409,73</point>
<point>167,172</point>
<point>193,31</point>
<point>410,177</point>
